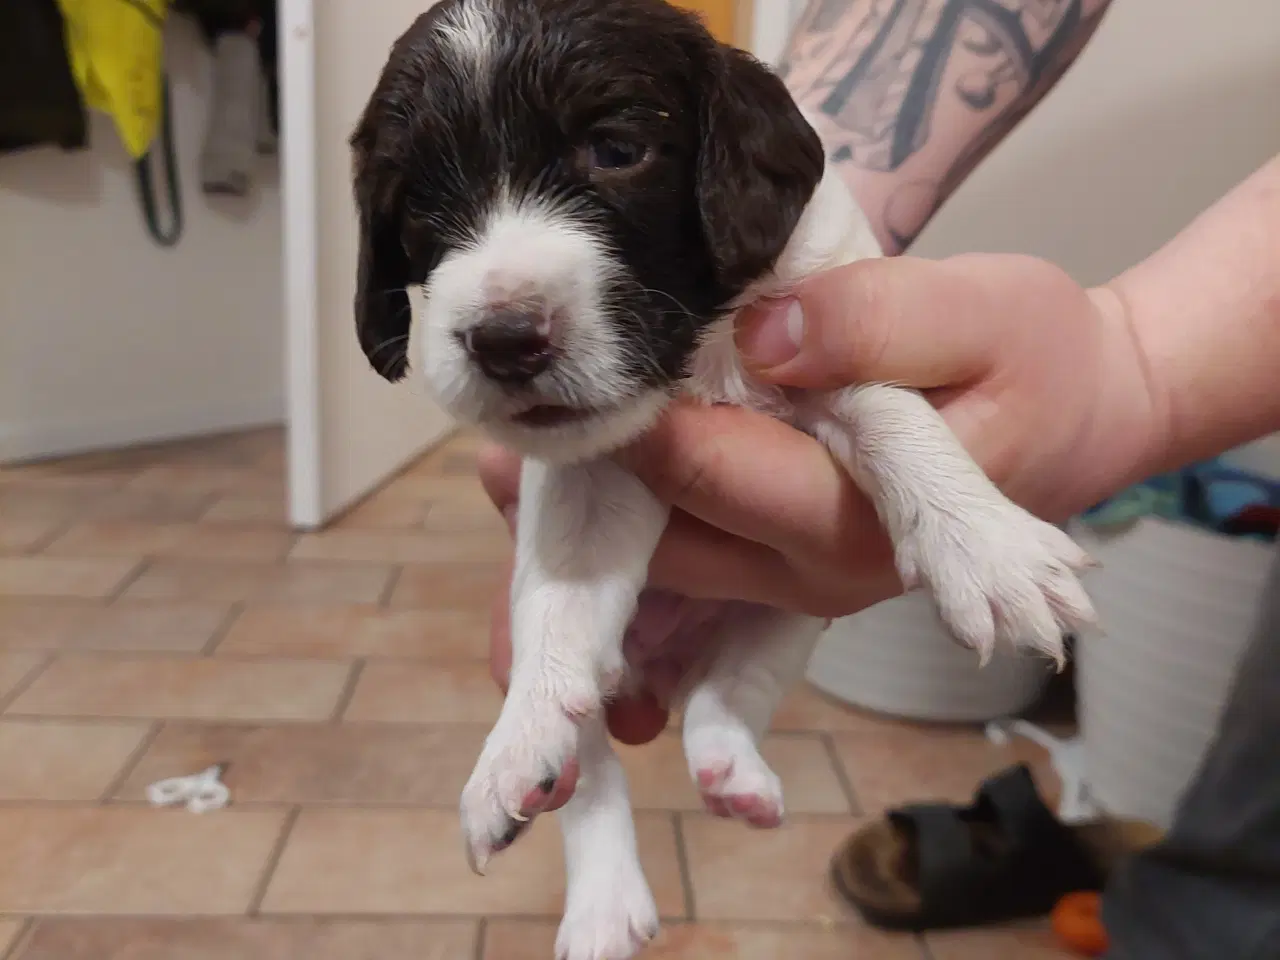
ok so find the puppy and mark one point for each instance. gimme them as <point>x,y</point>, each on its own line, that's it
<point>565,201</point>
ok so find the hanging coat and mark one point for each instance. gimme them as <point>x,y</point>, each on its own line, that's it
<point>39,102</point>
<point>117,57</point>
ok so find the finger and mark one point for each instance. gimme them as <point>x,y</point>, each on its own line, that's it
<point>756,478</point>
<point>636,720</point>
<point>499,471</point>
<point>500,631</point>
<point>922,323</point>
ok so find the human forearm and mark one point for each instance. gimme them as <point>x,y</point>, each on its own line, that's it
<point>1205,316</point>
<point>912,94</point>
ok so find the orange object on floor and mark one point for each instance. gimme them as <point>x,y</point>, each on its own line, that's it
<point>1077,921</point>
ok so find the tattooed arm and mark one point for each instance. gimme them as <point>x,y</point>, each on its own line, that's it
<point>911,94</point>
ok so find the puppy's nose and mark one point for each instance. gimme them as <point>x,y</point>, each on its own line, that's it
<point>510,345</point>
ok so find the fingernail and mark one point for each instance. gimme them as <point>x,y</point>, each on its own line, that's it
<point>773,336</point>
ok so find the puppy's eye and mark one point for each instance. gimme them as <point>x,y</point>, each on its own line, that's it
<point>614,155</point>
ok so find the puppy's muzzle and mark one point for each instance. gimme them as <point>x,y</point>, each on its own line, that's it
<point>510,345</point>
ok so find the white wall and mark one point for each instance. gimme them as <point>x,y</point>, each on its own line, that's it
<point>1170,104</point>
<point>105,337</point>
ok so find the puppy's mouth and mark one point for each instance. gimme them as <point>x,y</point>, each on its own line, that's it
<point>553,415</point>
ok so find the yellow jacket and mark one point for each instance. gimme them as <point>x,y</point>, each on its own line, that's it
<point>116,49</point>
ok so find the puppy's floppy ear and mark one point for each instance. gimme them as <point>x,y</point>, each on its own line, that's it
<point>759,164</point>
<point>383,315</point>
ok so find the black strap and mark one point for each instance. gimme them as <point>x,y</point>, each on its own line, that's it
<point>146,187</point>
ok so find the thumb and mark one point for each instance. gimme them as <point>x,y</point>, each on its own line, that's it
<point>920,323</point>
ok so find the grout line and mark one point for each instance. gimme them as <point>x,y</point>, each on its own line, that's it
<point>842,775</point>
<point>131,762</point>
<point>686,875</point>
<point>393,581</point>
<point>411,917</point>
<point>21,687</point>
<point>132,577</point>
<point>273,861</point>
<point>482,934</point>
<point>20,942</point>
<point>348,691</point>
<point>51,537</point>
<point>223,628</point>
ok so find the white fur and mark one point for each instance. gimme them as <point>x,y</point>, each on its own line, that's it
<point>469,32</point>
<point>532,252</point>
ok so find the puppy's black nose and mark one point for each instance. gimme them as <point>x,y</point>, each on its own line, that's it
<point>509,345</point>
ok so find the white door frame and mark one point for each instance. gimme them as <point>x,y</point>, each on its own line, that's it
<point>300,221</point>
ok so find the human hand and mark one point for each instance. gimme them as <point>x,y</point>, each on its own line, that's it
<point>1040,380</point>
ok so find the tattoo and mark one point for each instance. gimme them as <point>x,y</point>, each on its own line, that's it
<point>885,75</point>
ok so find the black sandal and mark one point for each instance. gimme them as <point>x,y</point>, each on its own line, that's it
<point>1005,857</point>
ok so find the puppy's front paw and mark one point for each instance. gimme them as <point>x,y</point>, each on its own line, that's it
<point>609,915</point>
<point>999,574</point>
<point>522,758</point>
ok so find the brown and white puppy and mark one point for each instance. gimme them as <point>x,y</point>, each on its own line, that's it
<point>561,204</point>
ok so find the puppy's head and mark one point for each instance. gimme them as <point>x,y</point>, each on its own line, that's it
<point>557,196</point>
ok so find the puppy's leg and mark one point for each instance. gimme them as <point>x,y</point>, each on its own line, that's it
<point>583,542</point>
<point>609,912</point>
<point>996,572</point>
<point>761,652</point>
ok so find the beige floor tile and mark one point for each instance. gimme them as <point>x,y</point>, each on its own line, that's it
<point>658,775</point>
<point>383,513</point>
<point>319,764</point>
<point>131,538</point>
<point>245,939</point>
<point>477,519</point>
<point>449,586</point>
<point>10,931</point>
<point>105,860</point>
<point>744,874</point>
<point>455,492</point>
<point>184,687</point>
<point>407,692</point>
<point>400,546</point>
<point>64,576</point>
<point>248,510</point>
<point>45,760</point>
<point>406,861</point>
<point>15,667</point>
<point>358,631</point>
<point>124,626</point>
<point>805,709</point>
<point>535,940</point>
<point>1027,942</point>
<point>19,534</point>
<point>47,502</point>
<point>261,582</point>
<point>905,763</point>
<point>148,505</point>
<point>208,480</point>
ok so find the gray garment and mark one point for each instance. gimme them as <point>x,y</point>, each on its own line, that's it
<point>1211,889</point>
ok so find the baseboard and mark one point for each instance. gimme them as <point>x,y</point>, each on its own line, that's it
<point>35,440</point>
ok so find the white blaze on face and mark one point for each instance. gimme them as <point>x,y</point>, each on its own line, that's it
<point>527,253</point>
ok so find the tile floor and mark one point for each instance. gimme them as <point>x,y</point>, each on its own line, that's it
<point>157,616</point>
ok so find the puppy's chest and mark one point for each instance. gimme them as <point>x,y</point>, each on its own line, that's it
<point>718,376</point>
